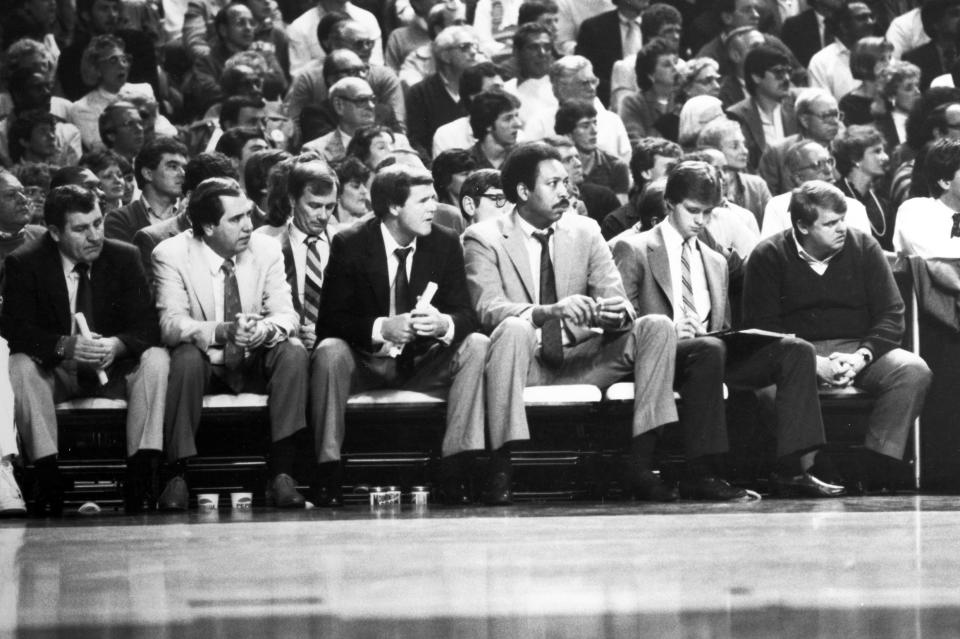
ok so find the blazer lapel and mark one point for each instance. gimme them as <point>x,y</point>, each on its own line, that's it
<point>199,277</point>
<point>424,259</point>
<point>515,245</point>
<point>565,253</point>
<point>290,268</point>
<point>377,267</point>
<point>660,266</point>
<point>56,288</point>
<point>755,125</point>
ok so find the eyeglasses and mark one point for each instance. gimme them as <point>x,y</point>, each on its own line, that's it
<point>498,199</point>
<point>362,43</point>
<point>589,83</point>
<point>779,72</point>
<point>360,100</point>
<point>828,115</point>
<point>117,60</point>
<point>822,165</point>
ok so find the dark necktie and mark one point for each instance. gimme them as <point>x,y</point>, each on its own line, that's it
<point>954,232</point>
<point>551,333</point>
<point>232,354</point>
<point>84,294</point>
<point>312,282</point>
<point>401,285</point>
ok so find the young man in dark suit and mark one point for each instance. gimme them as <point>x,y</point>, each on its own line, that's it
<point>73,269</point>
<point>608,37</point>
<point>375,332</point>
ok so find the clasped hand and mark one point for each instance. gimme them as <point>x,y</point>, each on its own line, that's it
<point>839,369</point>
<point>611,312</point>
<point>424,321</point>
<point>96,350</point>
<point>247,331</point>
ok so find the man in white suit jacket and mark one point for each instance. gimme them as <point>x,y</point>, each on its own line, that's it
<point>226,312</point>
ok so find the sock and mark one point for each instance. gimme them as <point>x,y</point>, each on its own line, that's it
<point>282,455</point>
<point>179,468</point>
<point>642,447</point>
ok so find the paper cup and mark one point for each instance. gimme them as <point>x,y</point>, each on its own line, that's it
<point>241,501</point>
<point>208,501</point>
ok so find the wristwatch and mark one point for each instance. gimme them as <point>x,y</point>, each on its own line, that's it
<point>866,355</point>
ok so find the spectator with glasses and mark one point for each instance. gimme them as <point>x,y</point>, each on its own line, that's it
<point>482,197</point>
<point>930,226</point>
<point>121,129</point>
<point>305,46</point>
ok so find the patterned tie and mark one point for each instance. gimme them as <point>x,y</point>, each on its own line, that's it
<point>634,41</point>
<point>401,285</point>
<point>954,232</point>
<point>84,293</point>
<point>312,282</point>
<point>232,354</point>
<point>551,333</point>
<point>689,306</point>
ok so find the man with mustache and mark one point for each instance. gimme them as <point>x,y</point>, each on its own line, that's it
<point>669,270</point>
<point>545,286</point>
<point>227,314</point>
<point>73,269</point>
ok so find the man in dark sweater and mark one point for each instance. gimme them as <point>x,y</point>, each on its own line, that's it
<point>832,286</point>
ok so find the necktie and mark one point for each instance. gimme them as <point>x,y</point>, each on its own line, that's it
<point>633,42</point>
<point>551,333</point>
<point>689,306</point>
<point>312,282</point>
<point>401,285</point>
<point>84,294</point>
<point>954,232</point>
<point>232,354</point>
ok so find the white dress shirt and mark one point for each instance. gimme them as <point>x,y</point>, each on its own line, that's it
<point>217,277</point>
<point>302,34</point>
<point>818,266</point>
<point>923,228</point>
<point>830,69</point>
<point>453,135</point>
<point>534,250</point>
<point>73,283</point>
<point>698,276</point>
<point>630,38</point>
<point>772,126</point>
<point>535,95</point>
<point>776,215</point>
<point>906,33</point>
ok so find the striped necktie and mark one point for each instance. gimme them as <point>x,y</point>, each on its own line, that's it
<point>689,305</point>
<point>312,282</point>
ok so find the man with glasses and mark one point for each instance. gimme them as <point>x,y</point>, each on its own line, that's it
<point>818,118</point>
<point>805,162</point>
<point>481,196</point>
<point>435,100</point>
<point>766,115</point>
<point>305,47</point>
<point>457,134</point>
<point>830,67</point>
<point>121,129</point>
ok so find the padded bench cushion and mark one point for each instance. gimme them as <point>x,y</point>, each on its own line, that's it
<point>623,392</point>
<point>561,395</point>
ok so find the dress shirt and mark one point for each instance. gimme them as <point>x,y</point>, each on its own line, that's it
<point>698,276</point>
<point>163,215</point>
<point>776,216</point>
<point>217,277</point>
<point>630,36</point>
<point>303,43</point>
<point>772,126</point>
<point>923,228</point>
<point>571,16</point>
<point>734,228</point>
<point>821,27</point>
<point>298,246</point>
<point>73,282</point>
<point>535,95</point>
<point>818,266</point>
<point>453,135</point>
<point>389,349</point>
<point>830,69</point>
<point>906,33</point>
<point>900,124</point>
<point>85,112</point>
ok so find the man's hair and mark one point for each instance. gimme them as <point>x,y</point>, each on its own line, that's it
<point>651,207</point>
<point>205,206</point>
<point>107,125</point>
<point>331,64</point>
<point>233,140</point>
<point>654,17</point>
<point>67,175</point>
<point>22,128</point>
<point>33,174</point>
<point>231,81</point>
<point>759,60</point>
<point>152,153</point>
<point>522,165</point>
<point>257,170</point>
<point>714,132</point>
<point>571,112</point>
<point>531,10</point>
<point>644,156</point>
<point>795,155</point>
<point>315,175</point>
<point>866,53</point>
<point>921,122</point>
<point>693,180</point>
<point>222,18</point>
<point>98,45</point>
<point>527,32</point>
<point>103,159</point>
<point>446,164</point>
<point>478,183</point>
<point>486,107</point>
<point>445,39</point>
<point>18,53</point>
<point>942,162</point>
<point>807,199</point>
<point>326,26</point>
<point>842,17</point>
<point>559,141</point>
<point>351,169</point>
<point>230,110</point>
<point>566,67</point>
<point>852,143</point>
<point>391,187</point>
<point>932,13</point>
<point>363,137</point>
<point>805,100</point>
<point>69,198</point>
<point>204,166</point>
<point>471,81</point>
<point>646,61</point>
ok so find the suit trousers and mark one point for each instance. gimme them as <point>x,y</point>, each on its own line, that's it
<point>8,433</point>
<point>900,380</point>
<point>646,352</point>
<point>337,370</point>
<point>280,372</point>
<point>37,390</point>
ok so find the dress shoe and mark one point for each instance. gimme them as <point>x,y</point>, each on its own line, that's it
<point>711,489</point>
<point>11,500</point>
<point>803,485</point>
<point>328,485</point>
<point>454,492</point>
<point>455,471</point>
<point>646,485</point>
<point>499,491</point>
<point>329,496</point>
<point>49,491</point>
<point>282,492</point>
<point>175,495</point>
<point>141,485</point>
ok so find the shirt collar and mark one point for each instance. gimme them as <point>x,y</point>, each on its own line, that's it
<point>624,20</point>
<point>214,261</point>
<point>672,237</point>
<point>391,244</point>
<point>13,236</point>
<point>68,264</point>
<point>806,257</point>
<point>529,229</point>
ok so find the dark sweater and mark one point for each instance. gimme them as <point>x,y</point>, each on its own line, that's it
<point>856,298</point>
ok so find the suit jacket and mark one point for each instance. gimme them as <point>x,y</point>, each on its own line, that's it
<point>731,91</point>
<point>36,312</point>
<point>498,268</point>
<point>282,235</point>
<point>773,165</point>
<point>184,288</point>
<point>356,289</point>
<point>802,34</point>
<point>747,114</point>
<point>147,238</point>
<point>429,107</point>
<point>645,269</point>
<point>927,57</point>
<point>599,41</point>
<point>122,223</point>
<point>329,146</point>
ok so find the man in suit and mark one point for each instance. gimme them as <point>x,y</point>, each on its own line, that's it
<point>374,333</point>
<point>545,286</point>
<point>733,14</point>
<point>159,170</point>
<point>766,117</point>
<point>73,269</point>
<point>668,270</point>
<point>312,190</point>
<point>226,311</point>
<point>608,37</point>
<point>810,31</point>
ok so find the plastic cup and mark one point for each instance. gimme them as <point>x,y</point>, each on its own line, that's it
<point>241,501</point>
<point>208,501</point>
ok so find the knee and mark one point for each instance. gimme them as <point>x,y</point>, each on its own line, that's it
<point>711,351</point>
<point>917,373</point>
<point>292,353</point>
<point>186,358</point>
<point>514,330</point>
<point>657,327</point>
<point>331,353</point>
<point>475,345</point>
<point>156,360</point>
<point>799,349</point>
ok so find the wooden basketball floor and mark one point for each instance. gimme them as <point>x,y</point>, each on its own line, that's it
<point>872,567</point>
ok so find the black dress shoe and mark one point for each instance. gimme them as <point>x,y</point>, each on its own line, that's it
<point>282,492</point>
<point>499,491</point>
<point>646,485</point>
<point>48,494</point>
<point>141,485</point>
<point>329,496</point>
<point>803,485</point>
<point>711,489</point>
<point>454,492</point>
<point>328,485</point>
<point>175,495</point>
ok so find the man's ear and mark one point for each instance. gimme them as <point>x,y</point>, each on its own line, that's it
<point>523,193</point>
<point>944,184</point>
<point>468,206</point>
<point>54,232</point>
<point>207,229</point>
<point>147,174</point>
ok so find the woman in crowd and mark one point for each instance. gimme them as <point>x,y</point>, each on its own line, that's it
<point>697,112</point>
<point>869,56</point>
<point>743,189</point>
<point>110,168</point>
<point>898,87</point>
<point>643,112</point>
<point>354,201</point>
<point>373,145</point>
<point>862,162</point>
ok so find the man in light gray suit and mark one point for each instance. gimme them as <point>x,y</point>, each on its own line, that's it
<point>226,311</point>
<point>545,286</point>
